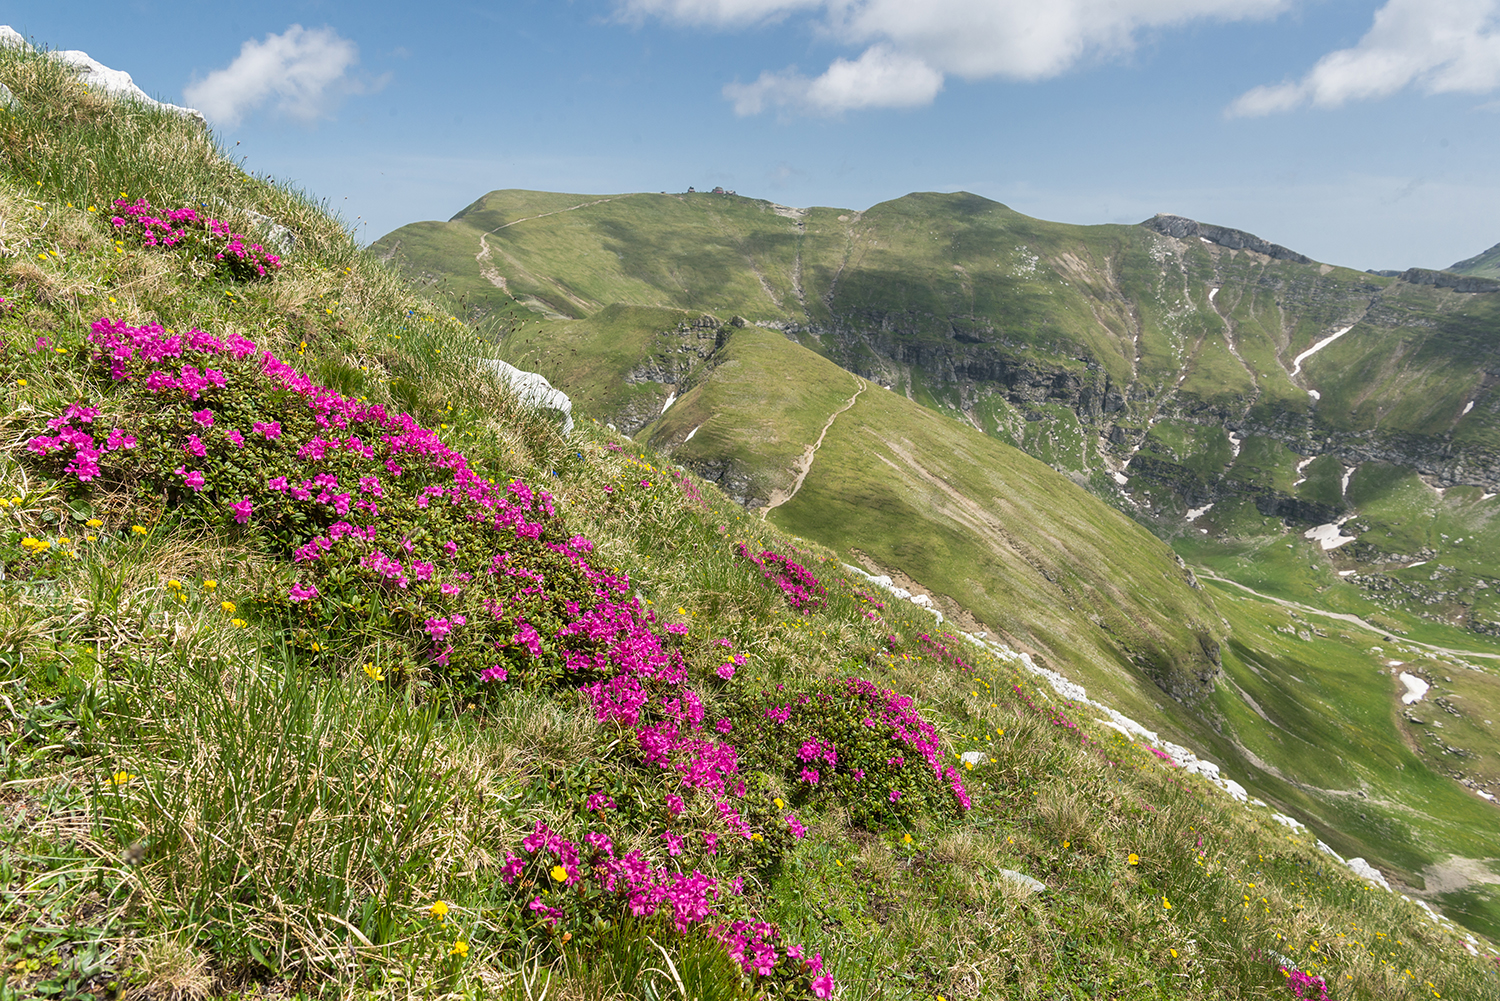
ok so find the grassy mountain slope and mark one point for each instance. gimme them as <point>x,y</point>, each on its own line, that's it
<point>1163,372</point>
<point>1004,542</point>
<point>248,749</point>
<point>1485,265</point>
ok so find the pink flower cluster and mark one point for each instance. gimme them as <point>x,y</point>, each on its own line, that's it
<point>1302,985</point>
<point>802,590</point>
<point>688,899</point>
<point>177,227</point>
<point>86,451</point>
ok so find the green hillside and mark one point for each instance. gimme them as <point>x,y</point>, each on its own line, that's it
<point>1169,375</point>
<point>329,670</point>
<point>1485,265</point>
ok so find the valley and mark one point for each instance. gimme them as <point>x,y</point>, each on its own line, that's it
<point>1321,445</point>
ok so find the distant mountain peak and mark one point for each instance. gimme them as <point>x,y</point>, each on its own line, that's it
<point>1183,228</point>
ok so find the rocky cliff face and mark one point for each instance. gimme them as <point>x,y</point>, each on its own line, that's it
<point>1183,228</point>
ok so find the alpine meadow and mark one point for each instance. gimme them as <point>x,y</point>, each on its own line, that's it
<point>924,602</point>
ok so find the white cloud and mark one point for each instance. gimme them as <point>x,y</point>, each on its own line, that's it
<point>304,72</point>
<point>1441,46</point>
<point>880,78</point>
<point>913,44</point>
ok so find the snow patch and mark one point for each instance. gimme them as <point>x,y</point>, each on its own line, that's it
<point>1297,361</point>
<point>1211,293</point>
<point>1485,496</point>
<point>1302,468</point>
<point>1315,394</point>
<point>690,434</point>
<point>1419,563</point>
<point>1416,688</point>
<point>1195,513</point>
<point>1329,536</point>
<point>1467,407</point>
<point>1122,479</point>
<point>1235,444</point>
<point>1347,573</point>
<point>1344,483</point>
<point>671,399</point>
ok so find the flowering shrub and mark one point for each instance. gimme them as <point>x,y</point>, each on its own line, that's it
<point>567,882</point>
<point>866,748</point>
<point>802,590</point>
<point>391,532</point>
<point>394,536</point>
<point>198,234</point>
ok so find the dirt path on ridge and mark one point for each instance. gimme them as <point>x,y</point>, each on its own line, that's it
<point>804,464</point>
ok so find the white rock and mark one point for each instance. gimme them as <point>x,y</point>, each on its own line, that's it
<point>117,82</point>
<point>532,389</point>
<point>1434,915</point>
<point>1330,851</point>
<point>1291,822</point>
<point>98,76</point>
<point>1366,871</point>
<point>277,235</point>
<point>1024,881</point>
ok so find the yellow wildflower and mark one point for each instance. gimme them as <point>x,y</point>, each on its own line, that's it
<point>558,873</point>
<point>1134,859</point>
<point>228,606</point>
<point>94,523</point>
<point>375,673</point>
<point>120,778</point>
<point>460,949</point>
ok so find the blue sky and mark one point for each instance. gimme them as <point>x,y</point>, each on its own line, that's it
<point>1361,133</point>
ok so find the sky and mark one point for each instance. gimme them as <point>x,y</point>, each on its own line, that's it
<point>1359,132</point>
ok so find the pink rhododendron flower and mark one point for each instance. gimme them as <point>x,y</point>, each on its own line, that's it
<point>204,417</point>
<point>193,479</point>
<point>242,510</point>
